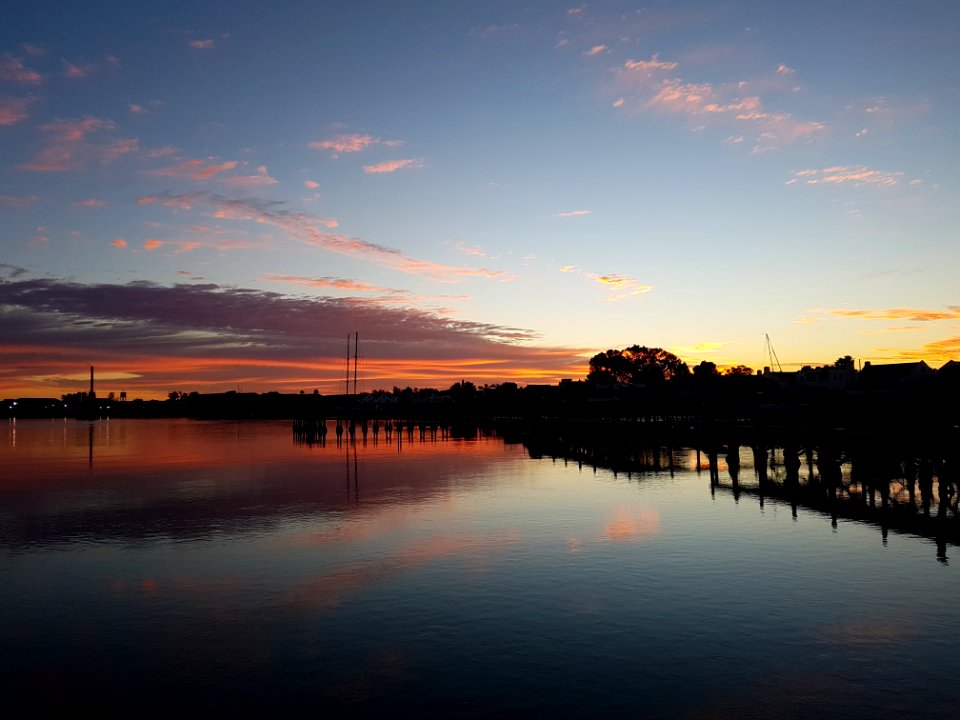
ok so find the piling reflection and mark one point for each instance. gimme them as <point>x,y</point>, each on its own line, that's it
<point>904,489</point>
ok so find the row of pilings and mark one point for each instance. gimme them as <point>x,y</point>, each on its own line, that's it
<point>311,431</point>
<point>901,481</point>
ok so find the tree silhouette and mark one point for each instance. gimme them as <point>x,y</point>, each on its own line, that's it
<point>706,369</point>
<point>844,362</point>
<point>739,370</point>
<point>637,365</point>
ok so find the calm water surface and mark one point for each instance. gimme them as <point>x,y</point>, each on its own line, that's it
<point>159,566</point>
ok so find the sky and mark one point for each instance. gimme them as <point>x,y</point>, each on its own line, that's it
<point>216,195</point>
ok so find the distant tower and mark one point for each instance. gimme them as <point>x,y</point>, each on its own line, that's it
<point>92,393</point>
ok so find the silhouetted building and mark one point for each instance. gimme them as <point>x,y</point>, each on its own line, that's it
<point>894,376</point>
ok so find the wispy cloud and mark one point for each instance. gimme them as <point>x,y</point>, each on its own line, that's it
<point>913,314</point>
<point>315,231</point>
<point>152,244</point>
<point>14,110</point>
<point>13,69</point>
<point>78,71</point>
<point>119,242</point>
<point>196,169</point>
<point>17,201</point>
<point>856,175</point>
<point>203,44</point>
<point>620,286</point>
<point>91,203</point>
<point>654,86</point>
<point>596,50</point>
<point>69,147</point>
<point>260,179</point>
<point>390,166</point>
<point>333,283</point>
<point>312,184</point>
<point>573,213</point>
<point>351,143</point>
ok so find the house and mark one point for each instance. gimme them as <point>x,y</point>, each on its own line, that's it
<point>894,376</point>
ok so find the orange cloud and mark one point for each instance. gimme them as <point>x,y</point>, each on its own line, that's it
<point>951,313</point>
<point>390,166</point>
<point>91,203</point>
<point>621,286</point>
<point>152,244</point>
<point>119,242</point>
<point>312,184</point>
<point>595,50</point>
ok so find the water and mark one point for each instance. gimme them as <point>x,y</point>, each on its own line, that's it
<point>163,566</point>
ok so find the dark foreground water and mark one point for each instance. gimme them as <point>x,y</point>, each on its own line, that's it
<point>175,566</point>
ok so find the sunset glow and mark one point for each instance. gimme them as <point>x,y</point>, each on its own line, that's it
<point>212,199</point>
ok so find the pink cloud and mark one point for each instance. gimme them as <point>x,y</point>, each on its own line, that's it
<point>76,71</point>
<point>13,110</point>
<point>595,50</point>
<point>119,242</point>
<point>261,179</point>
<point>647,90</point>
<point>573,213</point>
<point>648,67</point>
<point>91,203</point>
<point>313,230</point>
<point>390,166</point>
<point>196,169</point>
<point>856,175</point>
<point>13,69</point>
<point>351,143</point>
<point>35,50</point>
<point>332,282</point>
<point>312,184</point>
<point>345,143</point>
<point>152,244</point>
<point>136,108</point>
<point>67,147</point>
<point>205,44</point>
<point>17,201</point>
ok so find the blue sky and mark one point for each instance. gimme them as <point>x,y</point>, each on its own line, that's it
<point>211,195</point>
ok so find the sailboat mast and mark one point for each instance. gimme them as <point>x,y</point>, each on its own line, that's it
<point>356,355</point>
<point>346,383</point>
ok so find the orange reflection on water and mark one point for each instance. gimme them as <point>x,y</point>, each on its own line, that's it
<point>328,590</point>
<point>630,526</point>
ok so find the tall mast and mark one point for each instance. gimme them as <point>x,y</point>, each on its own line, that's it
<point>772,354</point>
<point>356,355</point>
<point>346,388</point>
